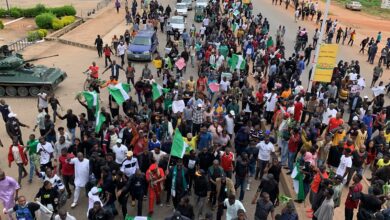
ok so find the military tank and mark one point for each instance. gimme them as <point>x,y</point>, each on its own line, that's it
<point>18,77</point>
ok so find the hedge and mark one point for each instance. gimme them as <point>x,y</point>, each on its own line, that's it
<point>57,24</point>
<point>36,35</point>
<point>42,33</point>
<point>37,10</point>
<point>67,20</point>
<point>45,20</point>
<point>1,24</point>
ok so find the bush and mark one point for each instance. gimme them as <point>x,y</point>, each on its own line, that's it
<point>45,20</point>
<point>42,33</point>
<point>57,24</point>
<point>3,12</point>
<point>63,11</point>
<point>35,11</point>
<point>16,12</point>
<point>67,20</point>
<point>33,36</point>
<point>1,24</point>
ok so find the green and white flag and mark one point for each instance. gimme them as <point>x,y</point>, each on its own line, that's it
<point>92,99</point>
<point>179,146</point>
<point>128,217</point>
<point>297,176</point>
<point>234,26</point>
<point>120,92</point>
<point>158,91</point>
<point>100,119</point>
<point>237,62</point>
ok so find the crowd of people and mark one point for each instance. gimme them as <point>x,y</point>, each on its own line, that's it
<point>240,126</point>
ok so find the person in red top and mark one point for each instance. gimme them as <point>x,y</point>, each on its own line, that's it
<point>227,162</point>
<point>293,144</point>
<point>260,97</point>
<point>94,70</point>
<point>16,154</point>
<point>335,122</point>
<point>66,170</point>
<point>155,177</point>
<point>349,145</point>
<point>352,203</point>
<point>201,84</point>
<point>298,107</point>
<point>107,54</point>
<point>315,185</point>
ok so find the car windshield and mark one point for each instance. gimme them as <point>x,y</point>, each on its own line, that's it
<point>181,6</point>
<point>142,41</point>
<point>177,21</point>
<point>201,1</point>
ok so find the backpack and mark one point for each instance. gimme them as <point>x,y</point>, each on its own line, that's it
<point>23,213</point>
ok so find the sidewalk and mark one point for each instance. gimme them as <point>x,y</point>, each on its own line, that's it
<point>101,24</point>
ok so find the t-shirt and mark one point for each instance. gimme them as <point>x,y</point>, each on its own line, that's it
<point>32,146</point>
<point>265,150</point>
<point>120,153</point>
<point>317,180</point>
<point>46,150</point>
<point>67,169</point>
<point>334,123</point>
<point>231,210</point>
<point>24,213</point>
<point>263,209</point>
<point>94,71</point>
<point>345,162</point>
<point>16,154</point>
<point>381,163</point>
<point>42,102</point>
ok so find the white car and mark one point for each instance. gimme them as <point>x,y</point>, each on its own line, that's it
<point>189,4</point>
<point>202,3</point>
<point>182,9</point>
<point>354,5</point>
<point>177,22</point>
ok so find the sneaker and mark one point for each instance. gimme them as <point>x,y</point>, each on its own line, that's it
<point>247,187</point>
<point>74,204</point>
<point>133,203</point>
<point>161,205</point>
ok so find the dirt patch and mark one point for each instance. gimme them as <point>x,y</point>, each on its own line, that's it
<point>16,30</point>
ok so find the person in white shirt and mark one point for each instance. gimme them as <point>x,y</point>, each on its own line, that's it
<point>266,149</point>
<point>45,151</point>
<point>81,177</point>
<point>328,114</point>
<point>229,122</point>
<point>120,152</point>
<point>40,122</point>
<point>130,164</point>
<point>345,163</point>
<point>232,206</point>
<point>61,143</point>
<point>42,102</point>
<point>270,105</point>
<point>121,52</point>
<point>224,85</point>
<point>93,196</point>
<point>158,154</point>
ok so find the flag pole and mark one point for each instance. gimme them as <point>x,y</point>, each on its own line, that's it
<point>317,52</point>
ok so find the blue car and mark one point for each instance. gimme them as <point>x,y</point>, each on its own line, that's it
<point>143,46</point>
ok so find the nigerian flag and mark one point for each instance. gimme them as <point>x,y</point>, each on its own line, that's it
<point>297,176</point>
<point>100,119</point>
<point>178,145</point>
<point>91,98</point>
<point>119,92</point>
<point>237,62</point>
<point>158,91</point>
<point>128,217</point>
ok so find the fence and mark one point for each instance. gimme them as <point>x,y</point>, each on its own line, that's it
<point>102,4</point>
<point>20,44</point>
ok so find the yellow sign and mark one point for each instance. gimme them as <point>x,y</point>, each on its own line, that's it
<point>326,62</point>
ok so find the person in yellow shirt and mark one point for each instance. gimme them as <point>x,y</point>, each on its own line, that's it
<point>190,85</point>
<point>191,141</point>
<point>387,134</point>
<point>383,162</point>
<point>338,136</point>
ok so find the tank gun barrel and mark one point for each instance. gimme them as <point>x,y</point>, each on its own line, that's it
<point>39,58</point>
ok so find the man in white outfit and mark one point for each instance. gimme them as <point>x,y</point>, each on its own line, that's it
<point>81,166</point>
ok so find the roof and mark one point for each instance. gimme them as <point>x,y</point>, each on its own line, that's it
<point>145,33</point>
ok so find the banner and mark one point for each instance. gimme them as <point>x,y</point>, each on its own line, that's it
<point>325,63</point>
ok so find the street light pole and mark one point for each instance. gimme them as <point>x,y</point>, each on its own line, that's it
<point>6,1</point>
<point>320,38</point>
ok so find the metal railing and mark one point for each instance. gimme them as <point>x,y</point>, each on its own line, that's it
<point>102,4</point>
<point>20,44</point>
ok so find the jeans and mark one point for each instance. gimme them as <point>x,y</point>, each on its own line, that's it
<point>21,170</point>
<point>252,168</point>
<point>107,58</point>
<point>284,151</point>
<point>54,115</point>
<point>122,199</point>
<point>291,158</point>
<point>33,158</point>
<point>192,60</point>
<point>73,132</point>
<point>241,182</point>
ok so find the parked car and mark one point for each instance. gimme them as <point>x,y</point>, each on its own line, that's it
<point>202,3</point>
<point>188,2</point>
<point>177,22</point>
<point>143,46</point>
<point>354,5</point>
<point>181,9</point>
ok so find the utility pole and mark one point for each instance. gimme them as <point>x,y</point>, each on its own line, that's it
<point>6,1</point>
<point>317,52</point>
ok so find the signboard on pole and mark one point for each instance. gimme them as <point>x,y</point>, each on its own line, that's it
<point>326,62</point>
<point>385,4</point>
